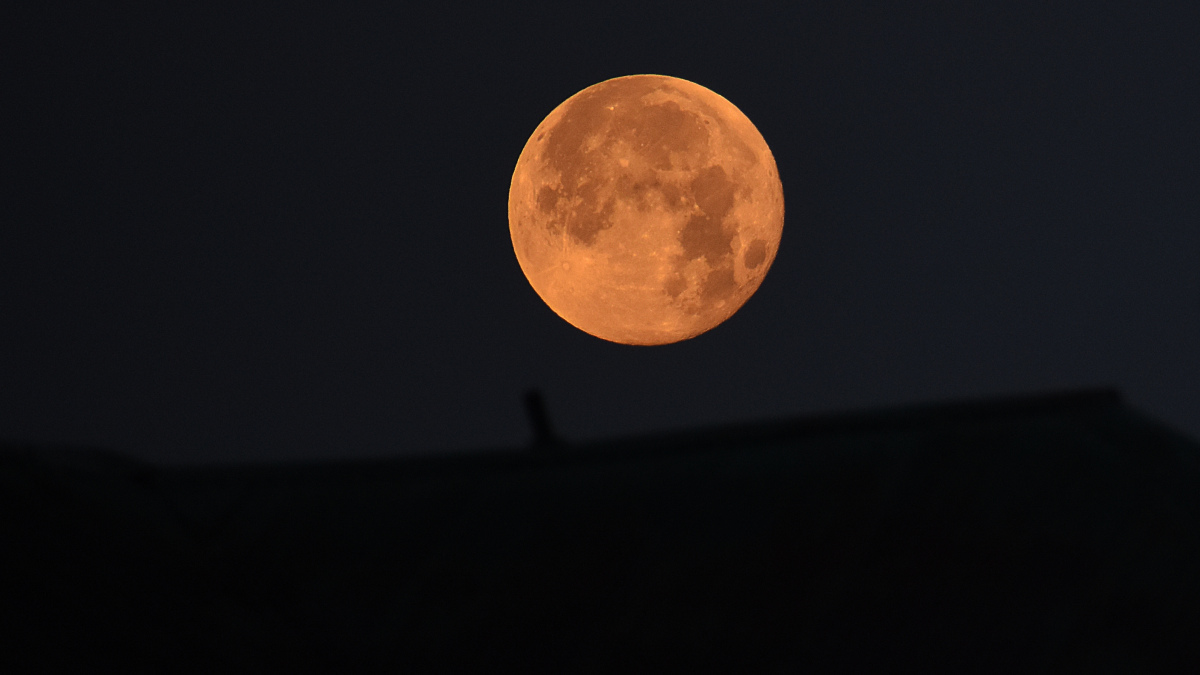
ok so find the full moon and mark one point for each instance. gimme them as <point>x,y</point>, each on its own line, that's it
<point>645,209</point>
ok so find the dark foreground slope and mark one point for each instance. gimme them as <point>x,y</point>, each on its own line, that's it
<point>1030,534</point>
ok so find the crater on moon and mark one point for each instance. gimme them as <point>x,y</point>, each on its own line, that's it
<point>645,209</point>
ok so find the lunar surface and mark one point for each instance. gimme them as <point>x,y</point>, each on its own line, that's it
<point>645,209</point>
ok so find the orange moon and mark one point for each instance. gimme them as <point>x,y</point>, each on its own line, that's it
<point>645,209</point>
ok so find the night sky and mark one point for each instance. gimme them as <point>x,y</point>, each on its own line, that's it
<point>262,234</point>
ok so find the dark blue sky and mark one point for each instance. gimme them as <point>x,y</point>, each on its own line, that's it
<point>245,234</point>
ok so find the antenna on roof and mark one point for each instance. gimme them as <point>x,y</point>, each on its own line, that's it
<point>544,437</point>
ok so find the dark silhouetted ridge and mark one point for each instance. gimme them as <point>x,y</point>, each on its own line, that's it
<point>1049,533</point>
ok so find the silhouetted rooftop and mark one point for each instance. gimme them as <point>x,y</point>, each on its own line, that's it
<point>1045,532</point>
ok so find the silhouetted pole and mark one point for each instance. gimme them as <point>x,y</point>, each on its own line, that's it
<point>544,437</point>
